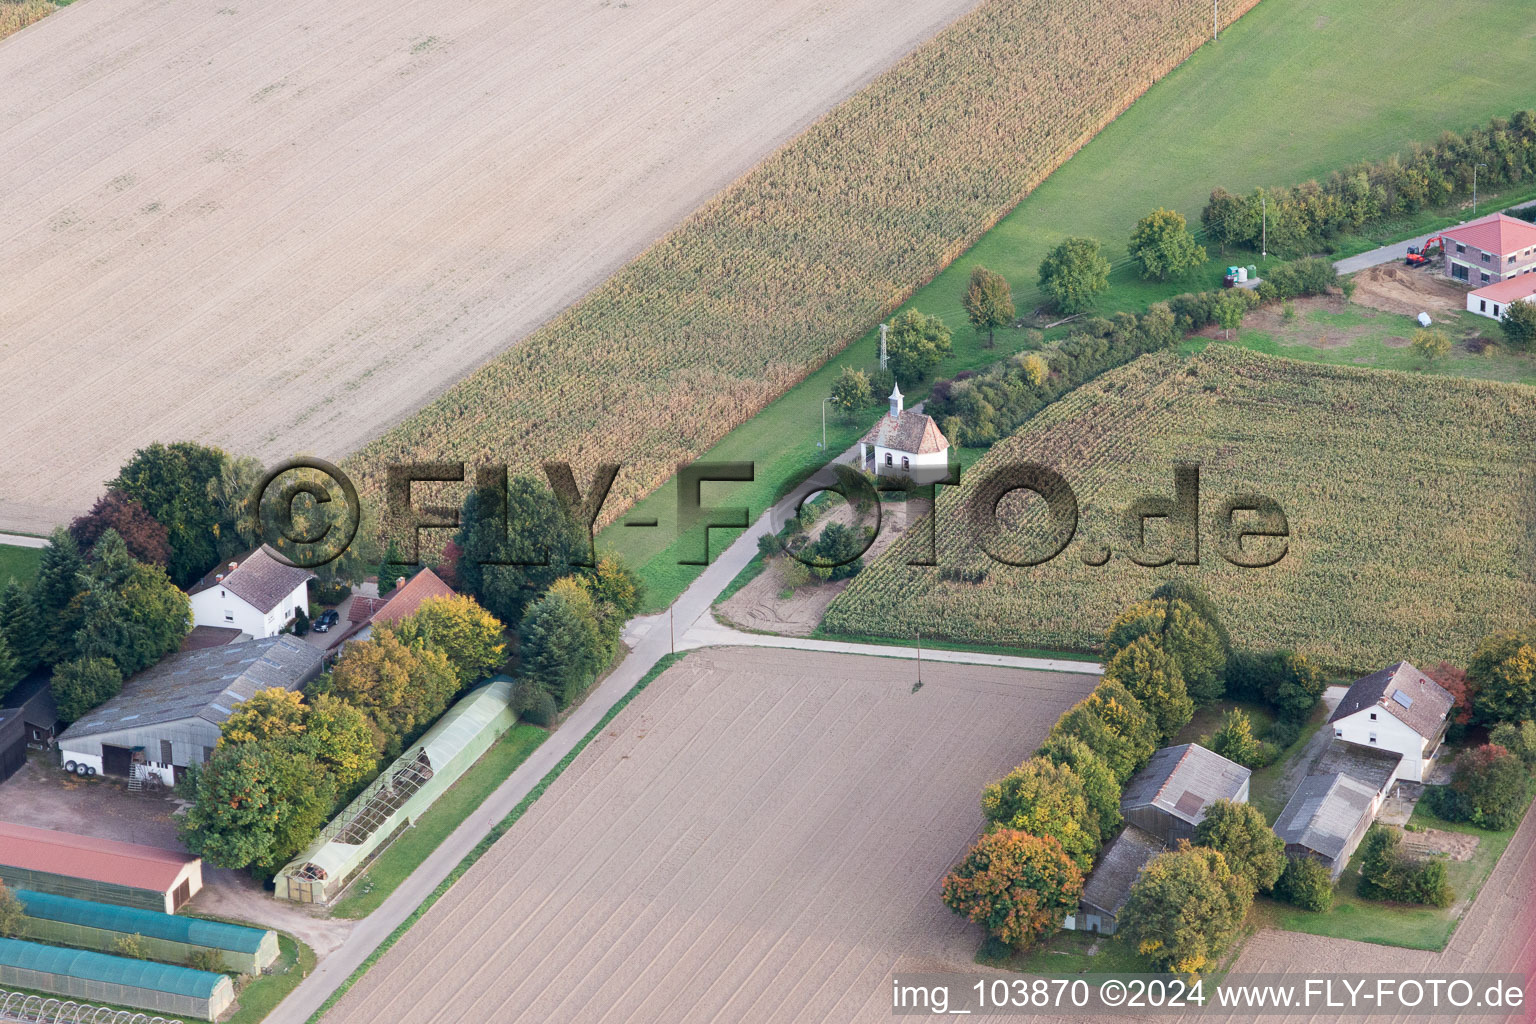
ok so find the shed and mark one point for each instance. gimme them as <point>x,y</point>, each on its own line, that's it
<point>33,697</point>
<point>1326,818</point>
<point>399,795</point>
<point>99,978</point>
<point>168,716</point>
<point>13,742</point>
<point>1169,796</point>
<point>1109,885</point>
<point>42,860</point>
<point>63,920</point>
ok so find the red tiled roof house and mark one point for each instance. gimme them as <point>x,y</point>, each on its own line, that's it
<point>905,443</point>
<point>1489,250</point>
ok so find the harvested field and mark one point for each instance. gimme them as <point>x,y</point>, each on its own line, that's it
<point>1411,505</point>
<point>759,836</point>
<point>282,227</point>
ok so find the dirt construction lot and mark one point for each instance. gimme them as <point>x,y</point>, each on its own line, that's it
<point>283,226</point>
<point>759,836</point>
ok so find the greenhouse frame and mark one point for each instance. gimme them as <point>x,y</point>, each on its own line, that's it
<point>31,1008</point>
<point>99,978</point>
<point>400,794</point>
<point>166,937</point>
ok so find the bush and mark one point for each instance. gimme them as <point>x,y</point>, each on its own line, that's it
<point>1489,788</point>
<point>11,913</point>
<point>1283,680</point>
<point>300,622</point>
<point>206,960</point>
<point>1386,873</point>
<point>1283,733</point>
<point>535,705</point>
<point>130,946</point>
<point>1307,884</point>
<point>1517,738</point>
<point>1519,325</point>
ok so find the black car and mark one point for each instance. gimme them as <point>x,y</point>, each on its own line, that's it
<point>326,620</point>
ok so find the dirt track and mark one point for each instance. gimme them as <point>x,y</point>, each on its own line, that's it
<point>758,837</point>
<point>281,227</point>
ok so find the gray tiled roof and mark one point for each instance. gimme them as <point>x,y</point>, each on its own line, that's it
<point>1109,886</point>
<point>34,696</point>
<point>1423,706</point>
<point>1183,781</point>
<point>259,579</point>
<point>204,684</point>
<point>1324,812</point>
<point>1372,767</point>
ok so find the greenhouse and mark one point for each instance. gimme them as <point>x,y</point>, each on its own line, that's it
<point>71,922</point>
<point>99,978</point>
<point>31,1008</point>
<point>399,795</point>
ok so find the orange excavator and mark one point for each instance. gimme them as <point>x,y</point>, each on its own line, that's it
<point>1421,256</point>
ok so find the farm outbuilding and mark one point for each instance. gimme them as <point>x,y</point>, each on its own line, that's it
<point>99,978</point>
<point>103,870</point>
<point>33,697</point>
<point>1326,818</point>
<point>13,742</point>
<point>1109,886</point>
<point>399,795</point>
<point>1169,796</point>
<point>167,717</point>
<point>65,921</point>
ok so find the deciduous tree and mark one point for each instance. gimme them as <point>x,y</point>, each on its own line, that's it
<point>171,482</point>
<point>1163,247</point>
<point>851,392</point>
<point>1073,273</point>
<point>233,815</point>
<point>1152,676</point>
<point>1100,788</point>
<point>988,302</point>
<point>401,689</point>
<point>1245,839</point>
<point>472,638</point>
<point>1305,883</point>
<point>1185,634</point>
<point>915,345</point>
<point>1519,325</point>
<point>1234,739</point>
<point>1503,676</point>
<point>511,553</point>
<point>561,642</point>
<point>145,538</point>
<point>1185,908</point>
<point>1016,886</point>
<point>1044,798</point>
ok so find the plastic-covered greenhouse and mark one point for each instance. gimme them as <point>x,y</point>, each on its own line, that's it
<point>71,922</point>
<point>100,978</point>
<point>400,794</point>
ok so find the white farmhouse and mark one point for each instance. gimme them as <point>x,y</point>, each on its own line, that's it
<point>905,443</point>
<point>257,595</point>
<point>1399,709</point>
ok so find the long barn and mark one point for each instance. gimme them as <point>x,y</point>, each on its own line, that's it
<point>82,867</point>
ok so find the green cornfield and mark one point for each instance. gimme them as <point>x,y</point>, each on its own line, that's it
<point>806,251</point>
<point>1409,501</point>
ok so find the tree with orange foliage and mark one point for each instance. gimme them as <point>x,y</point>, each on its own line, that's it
<point>1015,885</point>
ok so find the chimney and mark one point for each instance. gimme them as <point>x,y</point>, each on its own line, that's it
<point>399,582</point>
<point>233,566</point>
<point>219,578</point>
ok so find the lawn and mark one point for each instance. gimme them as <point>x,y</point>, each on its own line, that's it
<point>20,563</point>
<point>1360,581</point>
<point>1208,718</point>
<point>1359,336</point>
<point>1397,924</point>
<point>1066,953</point>
<point>1270,787</point>
<point>1235,115</point>
<point>413,846</point>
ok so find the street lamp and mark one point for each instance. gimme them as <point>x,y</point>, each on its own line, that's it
<point>1474,187</point>
<point>824,402</point>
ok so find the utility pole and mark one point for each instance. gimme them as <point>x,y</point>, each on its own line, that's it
<point>671,633</point>
<point>1215,4</point>
<point>1474,187</point>
<point>1263,226</point>
<point>823,444</point>
<point>883,329</point>
<point>919,659</point>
